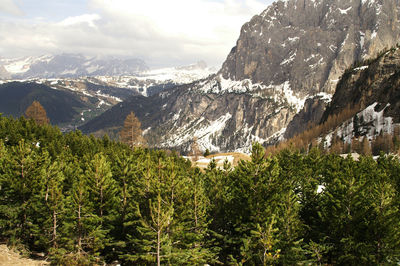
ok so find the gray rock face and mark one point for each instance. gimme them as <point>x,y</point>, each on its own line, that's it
<point>310,115</point>
<point>310,43</point>
<point>293,51</point>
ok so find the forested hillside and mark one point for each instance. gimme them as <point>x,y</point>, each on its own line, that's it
<point>62,106</point>
<point>83,200</point>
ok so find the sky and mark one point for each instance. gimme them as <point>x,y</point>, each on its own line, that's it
<point>161,32</point>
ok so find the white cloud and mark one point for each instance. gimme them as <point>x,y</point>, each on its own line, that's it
<point>10,7</point>
<point>88,19</point>
<point>161,32</point>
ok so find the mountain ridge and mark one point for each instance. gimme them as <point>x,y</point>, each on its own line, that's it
<point>282,58</point>
<point>69,65</point>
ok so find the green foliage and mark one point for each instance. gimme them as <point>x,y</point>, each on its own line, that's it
<point>86,201</point>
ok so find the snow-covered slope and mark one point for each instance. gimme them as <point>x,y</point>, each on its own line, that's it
<point>153,81</point>
<point>374,123</point>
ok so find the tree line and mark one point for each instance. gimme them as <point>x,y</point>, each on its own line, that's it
<point>84,201</point>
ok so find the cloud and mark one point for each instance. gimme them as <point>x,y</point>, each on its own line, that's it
<point>173,32</point>
<point>9,7</point>
<point>88,19</point>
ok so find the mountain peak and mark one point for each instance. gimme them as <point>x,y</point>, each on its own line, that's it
<point>310,43</point>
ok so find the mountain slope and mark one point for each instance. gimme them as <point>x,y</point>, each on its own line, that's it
<point>293,52</point>
<point>375,88</point>
<point>61,106</point>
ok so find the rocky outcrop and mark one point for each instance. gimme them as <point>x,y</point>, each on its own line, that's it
<point>310,115</point>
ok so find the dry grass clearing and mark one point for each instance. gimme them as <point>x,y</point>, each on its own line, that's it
<point>236,155</point>
<point>232,157</point>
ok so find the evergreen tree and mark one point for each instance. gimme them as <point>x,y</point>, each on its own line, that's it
<point>152,218</point>
<point>86,201</point>
<point>102,185</point>
<point>22,188</point>
<point>83,233</point>
<point>54,203</point>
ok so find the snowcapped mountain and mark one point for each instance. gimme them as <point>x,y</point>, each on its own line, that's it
<point>287,60</point>
<point>153,81</point>
<point>75,69</point>
<point>69,65</point>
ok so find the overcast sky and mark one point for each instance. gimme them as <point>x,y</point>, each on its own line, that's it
<point>162,32</point>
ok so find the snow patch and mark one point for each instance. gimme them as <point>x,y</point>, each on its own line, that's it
<point>221,85</point>
<point>325,96</point>
<point>361,68</point>
<point>289,95</point>
<point>344,11</point>
<point>293,39</point>
<point>69,71</point>
<point>362,39</point>
<point>289,60</point>
<point>201,129</point>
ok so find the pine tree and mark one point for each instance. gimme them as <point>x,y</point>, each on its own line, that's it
<point>103,197</point>
<point>36,112</point>
<point>191,221</point>
<point>152,217</point>
<point>195,149</point>
<point>22,188</point>
<point>82,230</point>
<point>266,239</point>
<point>101,183</point>
<point>126,173</point>
<point>54,201</point>
<point>131,133</point>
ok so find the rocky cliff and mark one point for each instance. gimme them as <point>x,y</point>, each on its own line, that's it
<point>374,83</point>
<point>310,43</point>
<point>293,51</point>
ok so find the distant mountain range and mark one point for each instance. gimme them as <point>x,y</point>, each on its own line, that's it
<point>86,97</point>
<point>68,65</point>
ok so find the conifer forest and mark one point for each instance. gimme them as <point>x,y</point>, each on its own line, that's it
<point>87,201</point>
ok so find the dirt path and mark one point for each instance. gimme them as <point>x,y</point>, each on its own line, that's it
<point>10,257</point>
